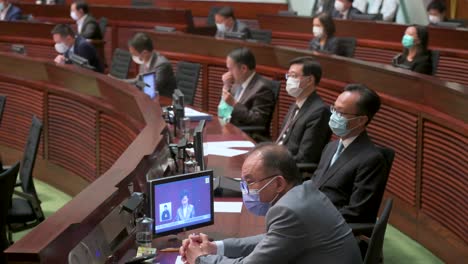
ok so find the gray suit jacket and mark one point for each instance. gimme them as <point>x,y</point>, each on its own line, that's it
<point>165,78</point>
<point>91,29</point>
<point>331,45</point>
<point>238,27</point>
<point>302,227</point>
<point>352,11</point>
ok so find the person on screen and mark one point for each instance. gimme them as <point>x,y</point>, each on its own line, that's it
<point>227,22</point>
<point>344,9</point>
<point>165,214</point>
<point>66,43</point>
<point>247,97</point>
<point>303,226</point>
<point>324,34</point>
<point>415,57</point>
<point>143,54</point>
<point>9,12</point>
<point>87,25</point>
<point>186,210</point>
<point>305,130</point>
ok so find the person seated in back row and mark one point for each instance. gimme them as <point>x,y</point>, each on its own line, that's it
<point>66,44</point>
<point>87,26</point>
<point>415,57</point>
<point>9,12</point>
<point>143,54</point>
<point>344,9</point>
<point>324,34</point>
<point>227,22</point>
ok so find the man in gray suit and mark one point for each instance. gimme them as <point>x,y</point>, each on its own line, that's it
<point>227,22</point>
<point>302,224</point>
<point>141,48</point>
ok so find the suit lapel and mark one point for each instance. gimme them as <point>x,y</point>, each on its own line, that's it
<point>347,155</point>
<point>302,111</point>
<point>249,90</point>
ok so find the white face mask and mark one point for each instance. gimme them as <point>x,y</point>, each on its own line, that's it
<point>137,60</point>
<point>318,31</point>
<point>221,27</point>
<point>61,47</point>
<point>339,6</point>
<point>434,19</point>
<point>73,15</point>
<point>293,87</point>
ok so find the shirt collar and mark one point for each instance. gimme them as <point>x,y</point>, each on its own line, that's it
<point>301,102</point>
<point>148,64</point>
<point>348,141</point>
<point>81,20</point>
<point>345,13</point>
<point>246,82</point>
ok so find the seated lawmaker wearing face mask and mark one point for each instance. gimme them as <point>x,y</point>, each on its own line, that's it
<point>66,43</point>
<point>324,34</point>
<point>352,172</point>
<point>227,22</point>
<point>305,130</point>
<point>415,57</point>
<point>143,54</point>
<point>87,26</point>
<point>302,224</point>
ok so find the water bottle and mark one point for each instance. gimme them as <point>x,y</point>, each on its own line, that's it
<point>144,232</point>
<point>224,111</point>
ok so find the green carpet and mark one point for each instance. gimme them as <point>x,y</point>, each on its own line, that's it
<point>398,248</point>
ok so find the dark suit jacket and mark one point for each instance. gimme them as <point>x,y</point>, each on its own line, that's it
<point>14,13</point>
<point>86,50</point>
<point>90,29</point>
<point>256,105</point>
<point>352,11</point>
<point>331,45</point>
<point>238,27</point>
<point>165,79</point>
<point>356,181</point>
<point>421,63</point>
<point>309,132</point>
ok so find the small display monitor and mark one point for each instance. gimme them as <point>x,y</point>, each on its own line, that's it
<point>150,84</point>
<point>182,202</point>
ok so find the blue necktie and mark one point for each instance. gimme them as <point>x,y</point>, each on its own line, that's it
<point>337,153</point>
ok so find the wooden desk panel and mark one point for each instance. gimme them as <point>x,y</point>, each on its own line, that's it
<point>410,103</point>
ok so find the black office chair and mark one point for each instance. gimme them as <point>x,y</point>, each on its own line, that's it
<point>120,63</point>
<point>210,21</point>
<point>367,17</point>
<point>255,131</point>
<point>346,46</point>
<point>26,211</point>
<point>376,241</point>
<point>142,3</point>
<point>263,36</point>
<point>187,74</point>
<point>7,184</point>
<point>103,26</point>
<point>435,57</point>
<point>2,106</point>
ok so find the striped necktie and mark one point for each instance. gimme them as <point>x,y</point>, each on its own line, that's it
<point>288,124</point>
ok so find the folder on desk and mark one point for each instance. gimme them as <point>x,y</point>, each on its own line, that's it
<point>195,115</point>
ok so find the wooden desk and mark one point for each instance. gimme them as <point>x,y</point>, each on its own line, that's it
<point>377,41</point>
<point>422,118</point>
<point>97,130</point>
<point>123,21</point>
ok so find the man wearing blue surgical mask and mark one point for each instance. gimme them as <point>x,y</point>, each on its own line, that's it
<point>227,22</point>
<point>302,224</point>
<point>352,171</point>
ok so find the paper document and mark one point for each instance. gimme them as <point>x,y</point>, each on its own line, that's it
<point>195,115</point>
<point>227,207</point>
<point>179,260</point>
<point>226,148</point>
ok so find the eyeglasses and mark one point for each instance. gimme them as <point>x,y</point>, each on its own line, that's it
<point>287,75</point>
<point>245,186</point>
<point>340,114</point>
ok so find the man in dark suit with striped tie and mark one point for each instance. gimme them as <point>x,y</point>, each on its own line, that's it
<point>352,172</point>
<point>305,130</point>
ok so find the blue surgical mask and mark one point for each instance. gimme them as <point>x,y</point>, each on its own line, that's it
<point>339,124</point>
<point>252,201</point>
<point>407,41</point>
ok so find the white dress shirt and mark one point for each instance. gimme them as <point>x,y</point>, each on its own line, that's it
<point>4,12</point>
<point>80,22</point>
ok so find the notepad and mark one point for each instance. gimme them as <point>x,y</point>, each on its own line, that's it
<point>195,115</point>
